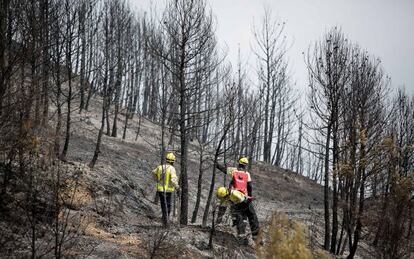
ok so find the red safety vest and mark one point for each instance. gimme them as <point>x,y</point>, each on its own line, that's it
<point>239,181</point>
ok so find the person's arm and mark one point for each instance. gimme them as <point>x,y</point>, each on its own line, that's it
<point>221,167</point>
<point>224,202</point>
<point>249,189</point>
<point>155,173</point>
<point>249,185</point>
<point>174,178</point>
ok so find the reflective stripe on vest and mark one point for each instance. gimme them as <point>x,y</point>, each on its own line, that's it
<point>163,178</point>
<point>239,181</point>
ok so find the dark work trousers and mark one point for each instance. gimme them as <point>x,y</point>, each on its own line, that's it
<point>220,213</point>
<point>165,200</point>
<point>241,212</point>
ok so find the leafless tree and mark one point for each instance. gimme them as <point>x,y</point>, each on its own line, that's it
<point>227,123</point>
<point>188,30</point>
<point>328,74</point>
<point>70,33</point>
<point>270,49</point>
<point>364,119</point>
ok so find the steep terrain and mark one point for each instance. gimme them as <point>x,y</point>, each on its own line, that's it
<point>122,212</point>
<point>113,209</point>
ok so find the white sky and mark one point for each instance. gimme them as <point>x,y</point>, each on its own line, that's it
<point>383,27</point>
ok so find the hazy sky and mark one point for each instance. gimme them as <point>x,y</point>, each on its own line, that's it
<point>383,27</point>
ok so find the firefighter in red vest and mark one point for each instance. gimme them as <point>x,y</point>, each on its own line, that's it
<point>241,181</point>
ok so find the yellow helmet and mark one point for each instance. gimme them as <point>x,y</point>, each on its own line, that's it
<point>222,192</point>
<point>243,160</point>
<point>170,157</point>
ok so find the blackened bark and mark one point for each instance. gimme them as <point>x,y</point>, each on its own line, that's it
<point>326,191</point>
<point>99,140</point>
<point>199,186</point>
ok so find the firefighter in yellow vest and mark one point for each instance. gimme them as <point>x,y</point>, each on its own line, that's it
<point>241,210</point>
<point>167,181</point>
<point>241,182</point>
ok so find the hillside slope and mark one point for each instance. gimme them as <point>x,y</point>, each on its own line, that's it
<point>113,206</point>
<point>121,181</point>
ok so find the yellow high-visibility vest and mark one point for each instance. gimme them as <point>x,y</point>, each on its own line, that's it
<point>231,170</point>
<point>235,197</point>
<point>166,178</point>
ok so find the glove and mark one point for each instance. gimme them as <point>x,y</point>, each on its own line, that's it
<point>178,190</point>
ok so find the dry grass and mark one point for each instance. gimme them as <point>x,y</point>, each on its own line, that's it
<point>285,238</point>
<point>99,233</point>
<point>75,194</point>
<point>128,244</point>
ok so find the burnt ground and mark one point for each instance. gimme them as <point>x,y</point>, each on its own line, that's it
<point>123,215</point>
<point>121,220</point>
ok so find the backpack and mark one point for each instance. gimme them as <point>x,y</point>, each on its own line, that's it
<point>239,181</point>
